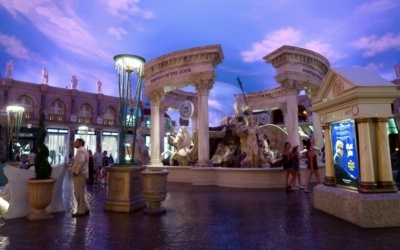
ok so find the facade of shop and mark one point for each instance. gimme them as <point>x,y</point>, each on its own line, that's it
<point>70,114</point>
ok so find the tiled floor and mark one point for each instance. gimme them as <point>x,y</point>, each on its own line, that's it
<point>198,217</point>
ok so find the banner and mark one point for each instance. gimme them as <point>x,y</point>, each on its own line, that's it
<point>344,149</point>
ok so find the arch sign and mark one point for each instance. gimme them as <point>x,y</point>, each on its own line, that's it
<point>186,110</point>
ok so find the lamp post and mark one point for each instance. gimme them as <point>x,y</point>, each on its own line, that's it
<point>14,117</point>
<point>128,104</point>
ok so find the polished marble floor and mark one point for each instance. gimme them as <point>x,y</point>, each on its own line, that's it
<point>198,217</point>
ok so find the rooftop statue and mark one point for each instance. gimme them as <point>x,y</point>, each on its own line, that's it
<point>99,83</point>
<point>9,69</point>
<point>396,69</point>
<point>74,81</point>
<point>45,76</point>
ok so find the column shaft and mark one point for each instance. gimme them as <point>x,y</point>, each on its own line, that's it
<point>367,176</point>
<point>385,176</point>
<point>292,120</point>
<point>329,166</point>
<point>155,98</point>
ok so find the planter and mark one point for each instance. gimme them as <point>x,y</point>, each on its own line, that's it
<point>155,190</point>
<point>40,194</point>
<point>125,189</point>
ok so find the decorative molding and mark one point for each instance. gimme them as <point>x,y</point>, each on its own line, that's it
<point>155,97</point>
<point>203,87</point>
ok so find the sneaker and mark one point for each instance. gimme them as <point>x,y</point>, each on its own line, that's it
<point>301,187</point>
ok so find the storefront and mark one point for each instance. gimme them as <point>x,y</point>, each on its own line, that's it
<point>109,142</point>
<point>57,141</point>
<point>89,137</point>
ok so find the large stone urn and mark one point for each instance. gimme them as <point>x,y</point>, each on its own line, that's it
<point>40,195</point>
<point>155,190</point>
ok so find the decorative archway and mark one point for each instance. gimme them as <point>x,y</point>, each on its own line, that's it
<point>167,73</point>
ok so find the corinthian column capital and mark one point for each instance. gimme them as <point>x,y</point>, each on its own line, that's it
<point>155,97</point>
<point>203,86</point>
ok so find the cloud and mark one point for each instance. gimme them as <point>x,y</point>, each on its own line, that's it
<point>14,47</point>
<point>117,32</point>
<point>60,23</point>
<point>374,44</point>
<point>118,7</point>
<point>272,42</point>
<point>374,67</point>
<point>375,6</point>
<point>325,50</point>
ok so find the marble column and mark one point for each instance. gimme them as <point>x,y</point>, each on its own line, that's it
<point>385,176</point>
<point>329,166</point>
<point>367,175</point>
<point>155,98</point>
<point>203,88</point>
<point>292,119</point>
<point>318,135</point>
<point>163,109</point>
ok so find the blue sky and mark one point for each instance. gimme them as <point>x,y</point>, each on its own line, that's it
<point>81,37</point>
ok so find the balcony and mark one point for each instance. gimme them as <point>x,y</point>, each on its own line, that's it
<point>108,122</point>
<point>28,115</point>
<point>85,120</point>
<point>59,118</point>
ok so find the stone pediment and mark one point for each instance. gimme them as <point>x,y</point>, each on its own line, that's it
<point>354,92</point>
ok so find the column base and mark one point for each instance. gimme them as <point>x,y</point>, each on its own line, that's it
<point>387,187</point>
<point>364,210</point>
<point>329,181</point>
<point>125,189</point>
<point>155,163</point>
<point>204,164</point>
<point>367,187</point>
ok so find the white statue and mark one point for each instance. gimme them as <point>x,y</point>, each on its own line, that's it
<point>98,83</point>
<point>74,81</point>
<point>9,69</point>
<point>185,155</point>
<point>396,69</point>
<point>45,79</point>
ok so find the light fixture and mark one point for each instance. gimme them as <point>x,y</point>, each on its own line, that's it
<point>29,125</point>
<point>126,64</point>
<point>83,128</point>
<point>14,117</point>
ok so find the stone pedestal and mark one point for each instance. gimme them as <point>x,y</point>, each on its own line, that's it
<point>364,210</point>
<point>155,190</point>
<point>125,189</point>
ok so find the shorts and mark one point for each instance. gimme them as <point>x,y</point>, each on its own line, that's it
<point>97,169</point>
<point>287,166</point>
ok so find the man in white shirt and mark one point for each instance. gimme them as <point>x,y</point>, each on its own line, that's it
<point>80,172</point>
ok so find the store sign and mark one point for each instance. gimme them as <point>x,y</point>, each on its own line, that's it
<point>25,135</point>
<point>57,130</point>
<point>84,132</point>
<point>110,133</point>
<point>345,154</point>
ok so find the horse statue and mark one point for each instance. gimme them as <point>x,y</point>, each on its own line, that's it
<point>184,154</point>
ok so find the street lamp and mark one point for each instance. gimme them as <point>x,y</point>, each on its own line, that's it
<point>128,104</point>
<point>14,117</point>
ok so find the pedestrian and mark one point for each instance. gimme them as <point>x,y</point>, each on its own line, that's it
<point>17,156</point>
<point>80,172</point>
<point>296,166</point>
<point>287,166</point>
<point>105,164</point>
<point>31,158</point>
<point>312,166</point>
<point>98,165</point>
<point>91,167</point>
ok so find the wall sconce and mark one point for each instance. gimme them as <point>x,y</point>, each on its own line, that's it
<point>29,125</point>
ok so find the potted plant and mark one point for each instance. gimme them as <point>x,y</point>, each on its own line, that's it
<point>41,187</point>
